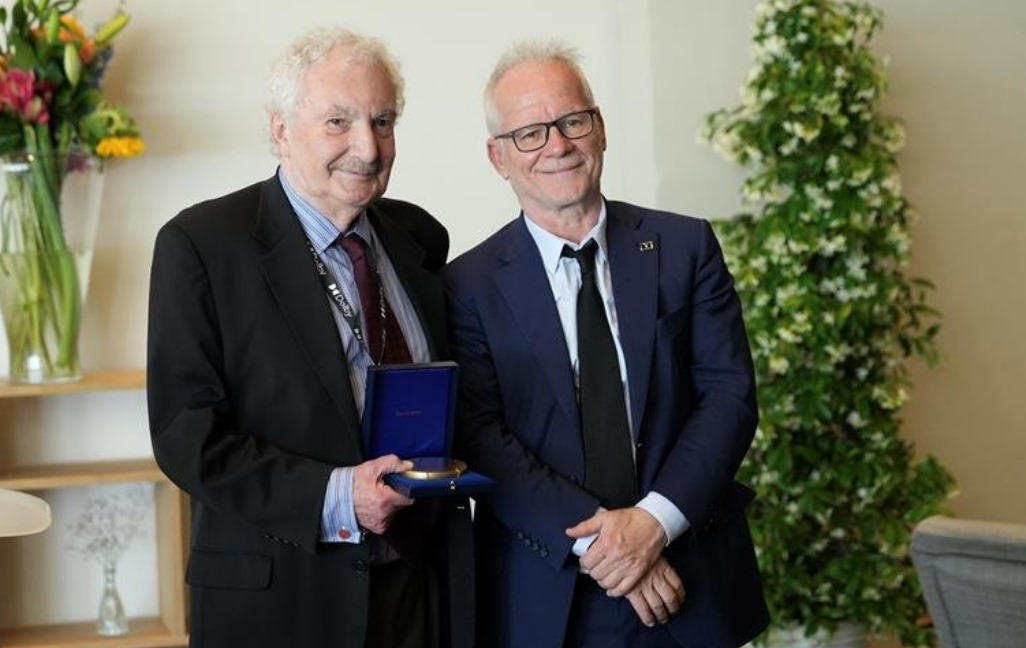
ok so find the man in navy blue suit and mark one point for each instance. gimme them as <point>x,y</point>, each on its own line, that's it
<point>607,386</point>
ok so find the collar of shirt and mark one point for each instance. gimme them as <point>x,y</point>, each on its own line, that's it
<point>551,246</point>
<point>318,227</point>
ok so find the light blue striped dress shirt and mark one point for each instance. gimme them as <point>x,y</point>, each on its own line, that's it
<point>338,516</point>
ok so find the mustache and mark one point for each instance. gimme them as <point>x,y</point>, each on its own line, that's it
<point>359,167</point>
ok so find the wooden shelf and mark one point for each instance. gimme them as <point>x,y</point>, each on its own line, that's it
<point>44,477</point>
<point>90,382</point>
<point>143,633</point>
<point>169,630</point>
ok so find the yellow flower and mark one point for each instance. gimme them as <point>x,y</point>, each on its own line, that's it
<point>120,147</point>
<point>73,29</point>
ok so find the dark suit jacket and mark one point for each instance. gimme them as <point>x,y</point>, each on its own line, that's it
<point>693,414</point>
<point>251,408</point>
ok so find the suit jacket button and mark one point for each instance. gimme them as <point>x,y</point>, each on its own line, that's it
<point>710,522</point>
<point>361,566</point>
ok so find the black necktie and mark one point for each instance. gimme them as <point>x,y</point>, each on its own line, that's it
<point>608,459</point>
<point>376,311</point>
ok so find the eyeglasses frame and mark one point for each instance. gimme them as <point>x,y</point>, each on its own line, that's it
<point>592,112</point>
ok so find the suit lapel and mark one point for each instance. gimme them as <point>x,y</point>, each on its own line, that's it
<point>634,265</point>
<point>526,289</point>
<point>288,269</point>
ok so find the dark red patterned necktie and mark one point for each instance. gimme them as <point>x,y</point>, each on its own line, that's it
<point>393,349</point>
<point>409,528</point>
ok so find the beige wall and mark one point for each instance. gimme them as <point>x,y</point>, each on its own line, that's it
<point>958,79</point>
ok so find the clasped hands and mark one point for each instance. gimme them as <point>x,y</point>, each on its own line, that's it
<point>626,560</point>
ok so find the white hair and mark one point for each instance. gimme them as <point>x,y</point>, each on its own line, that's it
<point>531,52</point>
<point>285,87</point>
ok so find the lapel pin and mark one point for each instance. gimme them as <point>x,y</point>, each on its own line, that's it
<point>646,246</point>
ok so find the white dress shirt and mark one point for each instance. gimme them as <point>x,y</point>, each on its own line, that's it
<point>564,276</point>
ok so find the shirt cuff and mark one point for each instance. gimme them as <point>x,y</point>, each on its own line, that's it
<point>338,517</point>
<point>581,545</point>
<point>674,522</point>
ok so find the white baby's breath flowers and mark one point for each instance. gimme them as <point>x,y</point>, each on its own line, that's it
<point>106,525</point>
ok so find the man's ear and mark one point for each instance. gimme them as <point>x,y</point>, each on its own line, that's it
<point>278,134</point>
<point>601,128</point>
<point>496,158</point>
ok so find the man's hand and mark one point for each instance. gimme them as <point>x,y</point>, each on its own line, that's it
<point>659,595</point>
<point>375,503</point>
<point>629,542</point>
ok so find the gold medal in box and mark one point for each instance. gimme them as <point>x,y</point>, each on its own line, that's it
<point>435,468</point>
<point>409,411</point>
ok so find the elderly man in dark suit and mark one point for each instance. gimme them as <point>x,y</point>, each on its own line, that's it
<point>266,308</point>
<point>607,386</point>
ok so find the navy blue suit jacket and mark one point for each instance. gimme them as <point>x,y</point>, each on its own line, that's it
<point>693,413</point>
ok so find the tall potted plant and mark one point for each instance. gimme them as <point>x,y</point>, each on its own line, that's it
<point>820,259</point>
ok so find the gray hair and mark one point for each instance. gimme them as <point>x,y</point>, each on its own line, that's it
<point>532,51</point>
<point>285,87</point>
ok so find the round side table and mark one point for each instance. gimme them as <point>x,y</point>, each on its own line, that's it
<point>22,514</point>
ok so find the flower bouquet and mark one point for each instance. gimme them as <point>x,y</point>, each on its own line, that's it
<point>56,129</point>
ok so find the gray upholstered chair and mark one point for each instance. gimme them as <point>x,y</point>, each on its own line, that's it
<point>974,577</point>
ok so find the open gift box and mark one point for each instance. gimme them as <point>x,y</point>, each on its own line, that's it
<point>410,411</point>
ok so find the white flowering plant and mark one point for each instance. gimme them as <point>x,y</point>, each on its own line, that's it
<point>105,526</point>
<point>820,259</point>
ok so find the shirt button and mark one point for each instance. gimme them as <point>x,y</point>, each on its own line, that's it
<point>344,534</point>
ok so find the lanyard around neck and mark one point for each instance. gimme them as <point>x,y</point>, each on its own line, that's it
<point>346,309</point>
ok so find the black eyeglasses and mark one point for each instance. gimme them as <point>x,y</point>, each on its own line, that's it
<point>534,136</point>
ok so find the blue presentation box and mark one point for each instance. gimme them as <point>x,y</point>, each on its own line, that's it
<point>410,411</point>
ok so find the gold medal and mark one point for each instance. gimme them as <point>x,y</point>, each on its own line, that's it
<point>435,468</point>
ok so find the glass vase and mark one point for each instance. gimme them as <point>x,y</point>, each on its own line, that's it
<point>111,621</point>
<point>49,212</point>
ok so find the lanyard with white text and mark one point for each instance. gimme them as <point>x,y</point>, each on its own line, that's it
<point>343,305</point>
